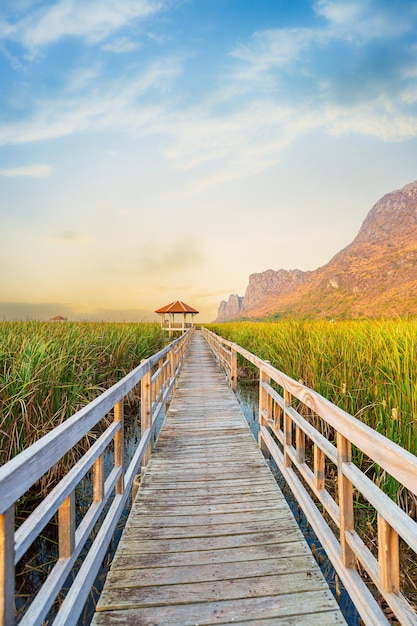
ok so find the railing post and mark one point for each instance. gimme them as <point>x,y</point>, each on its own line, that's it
<point>118,446</point>
<point>319,467</point>
<point>233,368</point>
<point>66,527</point>
<point>300,445</point>
<point>263,409</point>
<point>145,412</point>
<point>287,428</point>
<point>173,366</point>
<point>7,576</point>
<point>344,455</point>
<point>160,379</point>
<point>388,556</point>
<point>98,479</point>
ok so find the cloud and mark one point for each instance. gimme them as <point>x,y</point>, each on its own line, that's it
<point>121,45</point>
<point>182,255</point>
<point>230,147</point>
<point>352,71</point>
<point>85,19</point>
<point>367,20</point>
<point>34,171</point>
<point>276,47</point>
<point>71,236</point>
<point>115,105</point>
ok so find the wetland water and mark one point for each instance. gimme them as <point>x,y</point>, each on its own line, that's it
<point>44,551</point>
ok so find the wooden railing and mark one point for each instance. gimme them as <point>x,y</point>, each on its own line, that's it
<point>304,456</point>
<point>157,376</point>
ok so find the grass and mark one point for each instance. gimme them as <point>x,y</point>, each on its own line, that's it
<point>367,367</point>
<point>48,371</point>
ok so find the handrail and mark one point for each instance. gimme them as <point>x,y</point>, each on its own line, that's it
<point>301,452</point>
<point>157,375</point>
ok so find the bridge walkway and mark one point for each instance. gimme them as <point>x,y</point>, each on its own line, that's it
<point>210,538</point>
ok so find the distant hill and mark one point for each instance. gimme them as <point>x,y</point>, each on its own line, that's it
<point>376,275</point>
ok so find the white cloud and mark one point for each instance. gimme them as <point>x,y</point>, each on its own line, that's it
<point>114,105</point>
<point>233,147</point>
<point>381,122</point>
<point>277,47</point>
<point>183,254</point>
<point>121,45</point>
<point>34,171</point>
<point>366,20</point>
<point>94,21</point>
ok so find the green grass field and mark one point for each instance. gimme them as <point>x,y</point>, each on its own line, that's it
<point>50,370</point>
<point>368,368</point>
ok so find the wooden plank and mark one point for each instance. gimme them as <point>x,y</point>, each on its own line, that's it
<point>135,533</point>
<point>263,508</point>
<point>227,496</point>
<point>117,597</point>
<point>174,515</point>
<point>210,543</point>
<point>282,606</point>
<point>183,491</point>
<point>132,556</point>
<point>210,572</point>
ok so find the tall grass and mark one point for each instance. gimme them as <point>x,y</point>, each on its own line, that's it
<point>50,370</point>
<point>367,367</point>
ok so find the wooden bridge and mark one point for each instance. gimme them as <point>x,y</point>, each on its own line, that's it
<point>210,538</point>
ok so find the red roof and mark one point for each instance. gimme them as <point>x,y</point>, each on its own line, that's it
<point>177,307</point>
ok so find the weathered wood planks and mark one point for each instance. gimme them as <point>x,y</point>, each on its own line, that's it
<point>210,538</point>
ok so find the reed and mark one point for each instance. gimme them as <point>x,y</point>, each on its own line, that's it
<point>48,371</point>
<point>367,367</point>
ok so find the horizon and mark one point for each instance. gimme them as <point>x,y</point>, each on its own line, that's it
<point>161,151</point>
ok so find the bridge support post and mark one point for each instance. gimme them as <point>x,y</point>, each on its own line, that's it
<point>233,369</point>
<point>388,556</point>
<point>66,527</point>
<point>145,413</point>
<point>264,411</point>
<point>287,428</point>
<point>7,584</point>
<point>118,446</point>
<point>344,453</point>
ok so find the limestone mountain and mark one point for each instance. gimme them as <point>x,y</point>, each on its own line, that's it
<point>376,275</point>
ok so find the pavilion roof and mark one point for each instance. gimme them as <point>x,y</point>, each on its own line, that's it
<point>177,307</point>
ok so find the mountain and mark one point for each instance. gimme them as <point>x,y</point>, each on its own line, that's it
<point>376,275</point>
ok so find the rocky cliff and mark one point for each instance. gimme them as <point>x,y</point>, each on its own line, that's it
<point>375,275</point>
<point>230,309</point>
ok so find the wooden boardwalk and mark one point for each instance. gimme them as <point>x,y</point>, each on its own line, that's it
<point>210,538</point>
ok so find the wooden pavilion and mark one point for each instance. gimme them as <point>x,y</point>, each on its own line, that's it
<point>171,310</point>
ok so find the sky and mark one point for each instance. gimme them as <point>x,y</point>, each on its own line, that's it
<point>155,150</point>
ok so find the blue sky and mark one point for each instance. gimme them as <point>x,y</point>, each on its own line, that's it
<point>152,150</point>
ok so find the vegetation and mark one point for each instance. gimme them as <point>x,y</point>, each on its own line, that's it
<point>367,367</point>
<point>48,371</point>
